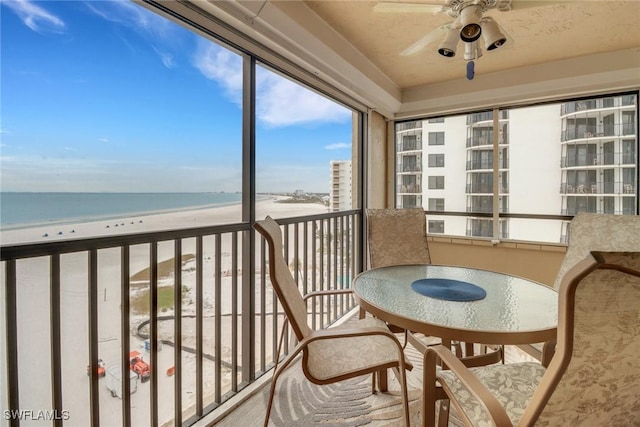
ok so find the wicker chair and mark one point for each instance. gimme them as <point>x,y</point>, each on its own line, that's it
<point>329,355</point>
<point>592,380</point>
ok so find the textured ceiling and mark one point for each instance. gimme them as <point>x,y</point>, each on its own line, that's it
<point>538,32</point>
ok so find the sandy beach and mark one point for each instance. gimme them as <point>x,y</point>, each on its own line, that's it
<point>33,312</point>
<point>155,222</point>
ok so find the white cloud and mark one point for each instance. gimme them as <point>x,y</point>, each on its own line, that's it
<point>166,58</point>
<point>105,140</point>
<point>280,102</point>
<point>35,17</point>
<point>95,175</point>
<point>222,66</point>
<point>157,30</point>
<point>337,146</point>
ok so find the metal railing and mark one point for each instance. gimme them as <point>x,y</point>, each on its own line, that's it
<point>599,131</point>
<point>604,159</point>
<point>603,187</point>
<point>203,293</point>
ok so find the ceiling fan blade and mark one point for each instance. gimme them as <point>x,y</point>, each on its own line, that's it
<point>398,7</point>
<point>426,40</point>
<point>507,5</point>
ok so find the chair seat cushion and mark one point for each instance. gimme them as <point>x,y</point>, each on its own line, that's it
<point>330,358</point>
<point>512,384</point>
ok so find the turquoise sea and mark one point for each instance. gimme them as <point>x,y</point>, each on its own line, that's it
<point>26,209</point>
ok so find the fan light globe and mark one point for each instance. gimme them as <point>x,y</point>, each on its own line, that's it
<point>470,21</point>
<point>491,34</point>
<point>449,44</point>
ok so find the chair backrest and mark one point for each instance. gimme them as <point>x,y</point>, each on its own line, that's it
<point>397,236</point>
<point>281,279</point>
<point>599,232</point>
<point>594,377</point>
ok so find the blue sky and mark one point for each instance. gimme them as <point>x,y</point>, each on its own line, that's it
<point>108,96</point>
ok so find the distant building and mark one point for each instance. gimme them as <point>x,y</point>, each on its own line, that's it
<point>299,193</point>
<point>340,196</point>
<point>561,159</point>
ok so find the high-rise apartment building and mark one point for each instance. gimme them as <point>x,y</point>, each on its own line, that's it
<point>340,197</point>
<point>554,159</point>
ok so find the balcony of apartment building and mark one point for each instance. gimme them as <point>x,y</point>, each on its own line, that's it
<point>486,163</point>
<point>409,163</point>
<point>484,204</point>
<point>408,143</point>
<point>409,188</point>
<point>596,104</point>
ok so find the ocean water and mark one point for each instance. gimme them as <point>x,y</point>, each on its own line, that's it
<point>26,209</point>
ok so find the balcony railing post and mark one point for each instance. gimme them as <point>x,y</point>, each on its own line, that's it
<point>125,280</point>
<point>94,394</point>
<point>11,310</point>
<point>56,349</point>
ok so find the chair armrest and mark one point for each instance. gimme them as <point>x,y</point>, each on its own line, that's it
<point>490,404</point>
<point>331,333</point>
<point>338,333</point>
<point>328,292</point>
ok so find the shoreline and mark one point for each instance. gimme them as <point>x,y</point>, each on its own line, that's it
<point>125,215</point>
<point>153,221</point>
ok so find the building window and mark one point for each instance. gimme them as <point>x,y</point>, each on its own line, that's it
<point>436,227</point>
<point>436,182</point>
<point>436,138</point>
<point>436,160</point>
<point>436,204</point>
<point>437,120</point>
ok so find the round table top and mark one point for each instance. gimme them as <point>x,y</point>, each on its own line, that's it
<point>514,311</point>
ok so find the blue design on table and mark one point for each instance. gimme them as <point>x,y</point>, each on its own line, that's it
<point>448,289</point>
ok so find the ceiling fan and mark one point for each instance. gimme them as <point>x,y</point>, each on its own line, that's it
<point>468,26</point>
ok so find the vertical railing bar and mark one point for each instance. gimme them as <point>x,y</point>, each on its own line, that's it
<point>305,258</point>
<point>94,394</point>
<point>263,306</point>
<point>11,306</point>
<point>352,268</point>
<point>314,238</point>
<point>153,332</point>
<point>177,333</point>
<point>125,284</point>
<point>234,312</point>
<point>335,267</point>
<point>285,325</point>
<point>218,319</point>
<point>296,253</point>
<point>198,326</point>
<point>274,309</point>
<point>322,264</point>
<point>342,261</point>
<point>56,350</point>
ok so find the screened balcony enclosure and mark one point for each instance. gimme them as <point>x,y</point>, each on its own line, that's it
<point>301,110</point>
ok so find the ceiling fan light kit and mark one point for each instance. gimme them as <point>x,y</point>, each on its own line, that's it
<point>491,34</point>
<point>450,43</point>
<point>470,23</point>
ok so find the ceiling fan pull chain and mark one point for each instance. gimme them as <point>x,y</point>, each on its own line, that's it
<point>470,70</point>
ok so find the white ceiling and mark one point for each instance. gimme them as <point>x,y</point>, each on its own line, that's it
<point>538,31</point>
<point>554,48</point>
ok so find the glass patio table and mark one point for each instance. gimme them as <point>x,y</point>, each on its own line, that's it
<point>514,311</point>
